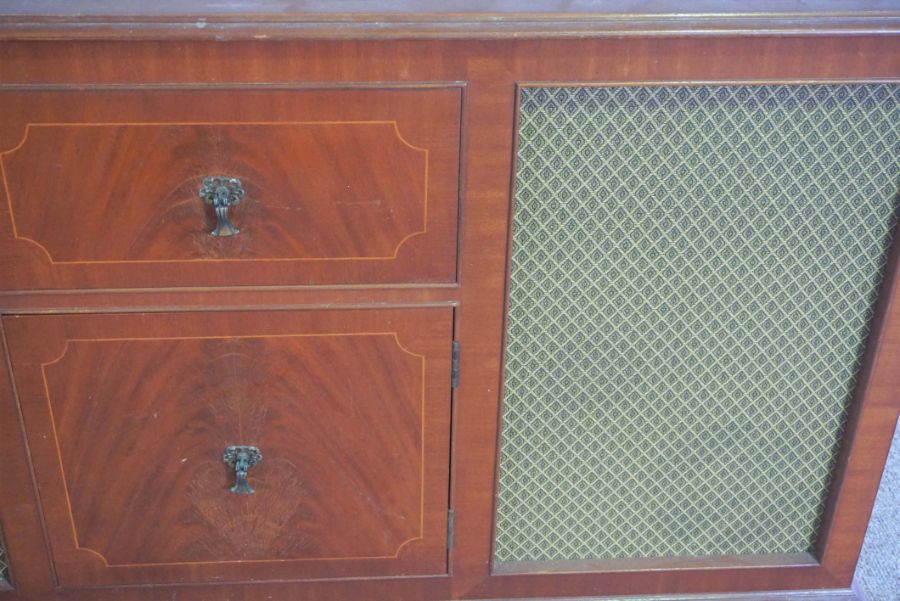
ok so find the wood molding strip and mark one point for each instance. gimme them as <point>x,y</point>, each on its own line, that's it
<point>808,595</point>
<point>486,26</point>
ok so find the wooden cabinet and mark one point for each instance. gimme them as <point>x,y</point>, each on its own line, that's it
<point>105,187</point>
<point>128,418</point>
<point>320,252</point>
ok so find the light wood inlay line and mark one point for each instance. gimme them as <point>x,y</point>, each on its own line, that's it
<point>394,335</point>
<point>52,261</point>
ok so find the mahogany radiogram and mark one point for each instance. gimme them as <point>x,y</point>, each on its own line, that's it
<point>264,276</point>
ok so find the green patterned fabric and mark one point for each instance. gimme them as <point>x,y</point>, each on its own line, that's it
<point>693,273</point>
<point>4,566</point>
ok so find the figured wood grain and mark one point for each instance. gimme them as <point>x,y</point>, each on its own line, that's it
<point>341,186</point>
<point>491,70</point>
<point>352,424</point>
<point>299,203</point>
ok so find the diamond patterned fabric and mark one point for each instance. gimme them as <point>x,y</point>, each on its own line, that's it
<point>692,281</point>
<point>4,566</point>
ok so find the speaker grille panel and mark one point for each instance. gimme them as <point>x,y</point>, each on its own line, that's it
<point>693,276</point>
<point>4,565</point>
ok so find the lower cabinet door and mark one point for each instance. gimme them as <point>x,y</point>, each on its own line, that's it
<point>238,446</point>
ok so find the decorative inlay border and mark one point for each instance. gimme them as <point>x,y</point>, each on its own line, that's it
<point>394,335</point>
<point>393,123</point>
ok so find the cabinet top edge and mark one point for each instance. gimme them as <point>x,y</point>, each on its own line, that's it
<point>474,19</point>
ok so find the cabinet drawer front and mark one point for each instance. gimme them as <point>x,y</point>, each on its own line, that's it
<point>117,188</point>
<point>130,419</point>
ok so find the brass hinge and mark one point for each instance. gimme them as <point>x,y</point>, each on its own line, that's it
<point>451,519</point>
<point>454,365</point>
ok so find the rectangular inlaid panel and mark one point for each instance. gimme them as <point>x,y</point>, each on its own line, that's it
<point>128,419</point>
<point>113,188</point>
<point>693,276</point>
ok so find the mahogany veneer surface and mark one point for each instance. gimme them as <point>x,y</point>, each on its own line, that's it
<point>128,418</point>
<point>208,82</point>
<point>341,186</point>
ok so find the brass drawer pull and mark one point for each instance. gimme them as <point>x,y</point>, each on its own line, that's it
<point>222,192</point>
<point>241,458</point>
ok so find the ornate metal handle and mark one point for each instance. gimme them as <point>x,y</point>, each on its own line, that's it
<point>241,458</point>
<point>222,192</point>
